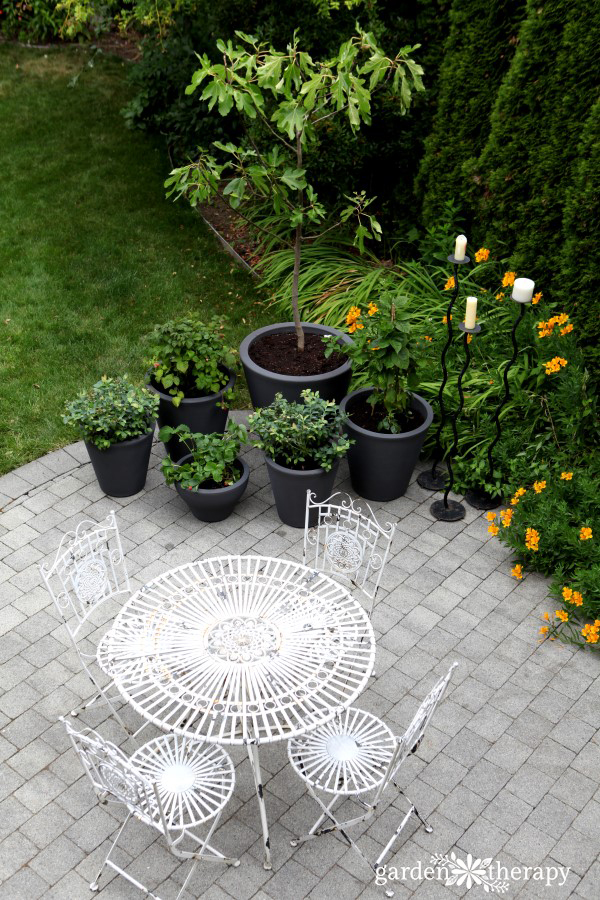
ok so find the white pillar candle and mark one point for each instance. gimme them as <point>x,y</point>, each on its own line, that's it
<point>460,247</point>
<point>471,312</point>
<point>522,290</point>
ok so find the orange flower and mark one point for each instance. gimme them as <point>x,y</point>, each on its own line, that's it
<point>356,326</point>
<point>493,530</point>
<point>509,279</point>
<point>490,516</point>
<point>536,298</point>
<point>544,629</point>
<point>506,516</point>
<point>482,255</point>
<point>517,571</point>
<point>445,319</point>
<point>518,494</point>
<point>539,486</point>
<point>562,615</point>
<point>567,593</point>
<point>591,633</point>
<point>546,616</point>
<point>566,476</point>
<point>373,308</point>
<point>427,338</point>
<point>469,338</point>
<point>450,284</point>
<point>532,539</point>
<point>585,534</point>
<point>555,365</point>
<point>567,329</point>
<point>354,313</point>
<point>577,599</point>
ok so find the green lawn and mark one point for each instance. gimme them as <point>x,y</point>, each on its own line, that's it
<point>91,254</point>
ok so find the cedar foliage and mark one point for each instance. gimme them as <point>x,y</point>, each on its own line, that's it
<point>577,272</point>
<point>476,56</point>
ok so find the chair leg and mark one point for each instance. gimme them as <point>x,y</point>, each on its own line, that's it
<point>423,821</point>
<point>94,885</point>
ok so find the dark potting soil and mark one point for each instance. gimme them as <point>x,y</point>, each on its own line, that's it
<point>369,417</point>
<point>307,466</point>
<point>210,485</point>
<point>279,353</point>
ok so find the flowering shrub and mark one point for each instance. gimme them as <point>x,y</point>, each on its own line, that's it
<point>113,410</point>
<point>303,435</point>
<point>384,355</point>
<point>188,358</point>
<point>551,524</point>
<point>213,456</point>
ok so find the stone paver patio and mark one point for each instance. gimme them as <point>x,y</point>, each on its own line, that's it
<point>509,769</point>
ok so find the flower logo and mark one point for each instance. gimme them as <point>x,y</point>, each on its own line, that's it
<point>469,872</point>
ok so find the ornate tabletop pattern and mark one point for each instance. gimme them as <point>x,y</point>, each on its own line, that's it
<point>239,649</point>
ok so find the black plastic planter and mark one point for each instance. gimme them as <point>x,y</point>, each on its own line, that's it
<point>289,489</point>
<point>121,469</point>
<point>263,384</point>
<point>381,464</point>
<point>203,415</point>
<point>214,504</point>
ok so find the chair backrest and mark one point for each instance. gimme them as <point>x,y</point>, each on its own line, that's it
<point>88,569</point>
<point>345,542</point>
<point>113,776</point>
<point>413,735</point>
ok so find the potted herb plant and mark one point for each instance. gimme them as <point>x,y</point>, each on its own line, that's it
<point>211,477</point>
<point>191,372</point>
<point>387,420</point>
<point>286,101</point>
<point>116,419</point>
<point>302,443</point>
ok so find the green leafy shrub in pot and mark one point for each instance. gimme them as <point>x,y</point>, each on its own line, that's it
<point>302,436</point>
<point>384,357</point>
<point>113,410</point>
<point>189,359</point>
<point>212,457</point>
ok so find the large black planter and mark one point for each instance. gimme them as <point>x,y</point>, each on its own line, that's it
<point>289,489</point>
<point>214,504</point>
<point>381,464</point>
<point>121,469</point>
<point>263,384</point>
<point>203,415</point>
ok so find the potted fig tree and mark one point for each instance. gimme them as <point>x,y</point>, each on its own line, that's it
<point>191,371</point>
<point>387,420</point>
<point>303,443</point>
<point>211,477</point>
<point>286,101</point>
<point>116,420</point>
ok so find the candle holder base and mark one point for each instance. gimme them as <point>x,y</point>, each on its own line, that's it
<point>431,482</point>
<point>453,512</point>
<point>480,499</point>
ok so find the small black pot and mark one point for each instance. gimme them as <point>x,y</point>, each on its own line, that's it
<point>214,504</point>
<point>381,464</point>
<point>263,384</point>
<point>289,489</point>
<point>202,415</point>
<point>121,469</point>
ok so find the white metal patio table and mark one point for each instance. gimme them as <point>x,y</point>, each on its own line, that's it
<point>240,650</point>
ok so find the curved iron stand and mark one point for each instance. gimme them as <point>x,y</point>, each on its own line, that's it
<point>451,510</point>
<point>434,480</point>
<point>477,497</point>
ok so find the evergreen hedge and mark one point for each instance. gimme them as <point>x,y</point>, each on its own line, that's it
<point>476,56</point>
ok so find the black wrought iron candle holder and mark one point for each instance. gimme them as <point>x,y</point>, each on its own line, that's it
<point>477,497</point>
<point>452,510</point>
<point>434,480</point>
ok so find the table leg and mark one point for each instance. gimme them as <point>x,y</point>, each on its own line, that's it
<point>253,756</point>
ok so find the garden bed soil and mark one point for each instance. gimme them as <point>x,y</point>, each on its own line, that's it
<point>368,417</point>
<point>279,353</point>
<point>233,229</point>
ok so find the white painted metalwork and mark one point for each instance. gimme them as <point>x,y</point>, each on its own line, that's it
<point>88,570</point>
<point>353,755</point>
<point>172,784</point>
<point>347,543</point>
<point>240,650</point>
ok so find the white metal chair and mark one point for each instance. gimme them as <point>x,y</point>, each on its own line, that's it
<point>88,570</point>
<point>354,755</point>
<point>340,540</point>
<point>173,784</point>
